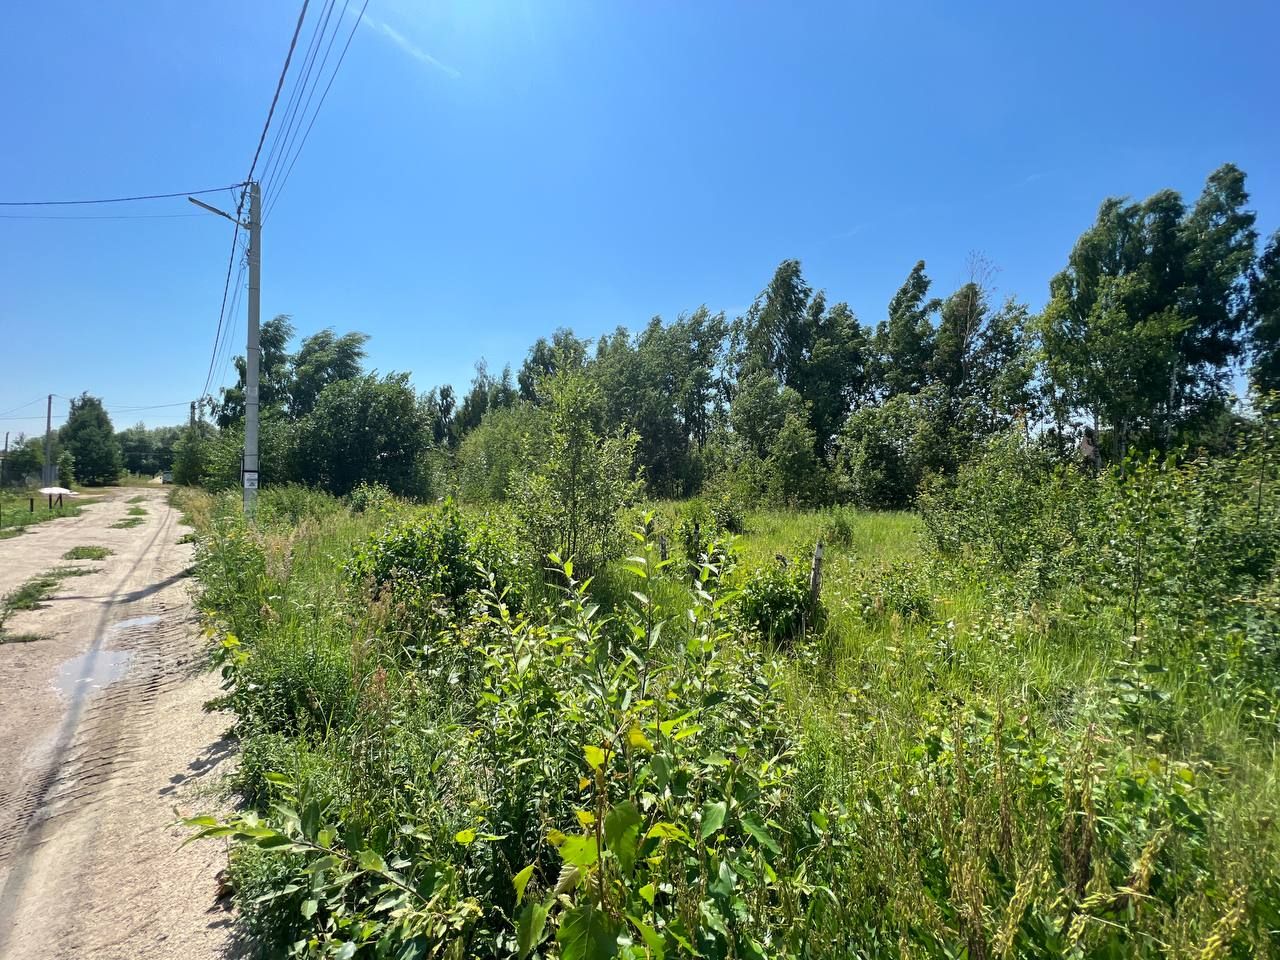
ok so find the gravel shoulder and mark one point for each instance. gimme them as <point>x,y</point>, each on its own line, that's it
<point>104,741</point>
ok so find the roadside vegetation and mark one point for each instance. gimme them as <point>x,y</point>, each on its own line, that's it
<point>783,636</point>
<point>16,513</point>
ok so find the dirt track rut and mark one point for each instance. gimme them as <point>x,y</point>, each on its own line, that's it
<point>102,736</point>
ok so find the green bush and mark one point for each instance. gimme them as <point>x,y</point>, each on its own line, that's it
<point>440,562</point>
<point>774,603</point>
<point>370,498</point>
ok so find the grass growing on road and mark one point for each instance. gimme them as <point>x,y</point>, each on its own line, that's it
<point>138,499</point>
<point>127,523</point>
<point>31,595</point>
<point>87,553</point>
<point>136,512</point>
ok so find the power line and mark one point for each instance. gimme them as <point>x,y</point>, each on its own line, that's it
<point>279,84</point>
<point>235,235</point>
<point>149,196</point>
<point>284,134</point>
<point>73,216</point>
<point>228,344</point>
<point>323,97</point>
<point>21,406</point>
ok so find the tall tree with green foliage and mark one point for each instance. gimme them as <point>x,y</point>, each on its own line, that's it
<point>577,478</point>
<point>323,358</point>
<point>367,429</point>
<point>1265,289</point>
<point>89,436</point>
<point>905,341</point>
<point>1145,320</point>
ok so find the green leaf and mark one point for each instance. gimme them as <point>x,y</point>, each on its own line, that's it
<point>531,926</point>
<point>712,918</point>
<point>751,823</point>
<point>587,933</point>
<point>371,860</point>
<point>652,939</point>
<point>594,755</point>
<point>622,834</point>
<point>520,881</point>
<point>648,891</point>
<point>309,908</point>
<point>465,837</point>
<point>579,850</point>
<point>712,818</point>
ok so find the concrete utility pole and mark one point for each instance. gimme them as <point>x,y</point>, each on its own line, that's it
<point>47,475</point>
<point>253,353</point>
<point>253,349</point>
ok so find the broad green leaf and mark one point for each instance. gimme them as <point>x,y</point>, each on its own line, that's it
<point>648,891</point>
<point>465,837</point>
<point>712,818</point>
<point>622,834</point>
<point>637,739</point>
<point>587,933</point>
<point>580,851</point>
<point>594,755</point>
<point>309,908</point>
<point>531,926</point>
<point>371,860</point>
<point>652,939</point>
<point>520,881</point>
<point>751,823</point>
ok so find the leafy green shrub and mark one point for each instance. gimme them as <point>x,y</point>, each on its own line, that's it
<point>231,565</point>
<point>1017,511</point>
<point>839,526</point>
<point>370,497</point>
<point>259,878</point>
<point>774,603</point>
<point>441,561</point>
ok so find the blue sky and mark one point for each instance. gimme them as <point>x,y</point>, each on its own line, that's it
<point>483,172</point>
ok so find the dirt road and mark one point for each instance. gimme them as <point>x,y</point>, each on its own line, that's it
<point>102,736</point>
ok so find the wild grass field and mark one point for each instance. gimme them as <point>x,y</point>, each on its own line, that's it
<point>1035,719</point>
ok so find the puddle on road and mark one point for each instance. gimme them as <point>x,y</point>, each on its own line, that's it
<point>92,671</point>
<point>134,622</point>
<point>96,669</point>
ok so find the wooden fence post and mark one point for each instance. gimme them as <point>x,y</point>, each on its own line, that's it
<point>815,573</point>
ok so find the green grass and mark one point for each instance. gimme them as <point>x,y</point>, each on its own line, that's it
<point>87,553</point>
<point>927,712</point>
<point>128,523</point>
<point>136,512</point>
<point>138,499</point>
<point>16,515</point>
<point>31,595</point>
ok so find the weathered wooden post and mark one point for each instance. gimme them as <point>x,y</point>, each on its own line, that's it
<point>815,573</point>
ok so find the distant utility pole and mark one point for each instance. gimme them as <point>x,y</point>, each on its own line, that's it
<point>47,474</point>
<point>253,349</point>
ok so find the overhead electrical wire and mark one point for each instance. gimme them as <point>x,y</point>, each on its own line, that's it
<point>231,259</point>
<point>73,216</point>
<point>341,57</point>
<point>288,129</point>
<point>279,85</point>
<point>149,196</point>
<point>21,406</point>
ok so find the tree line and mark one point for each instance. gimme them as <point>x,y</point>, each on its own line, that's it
<point>1160,309</point>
